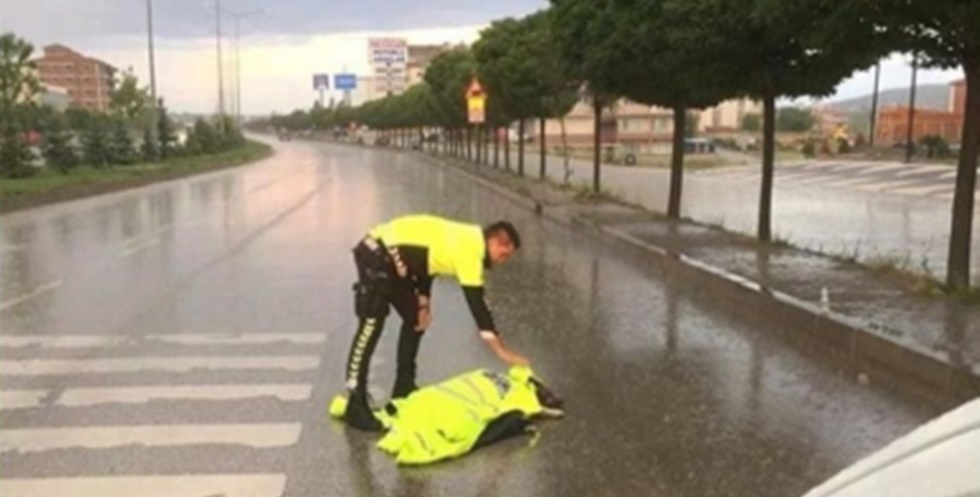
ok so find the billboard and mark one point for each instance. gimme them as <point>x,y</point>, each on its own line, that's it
<point>389,59</point>
<point>321,81</point>
<point>345,81</point>
<point>388,52</point>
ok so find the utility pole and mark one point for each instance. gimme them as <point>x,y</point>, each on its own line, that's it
<point>221,77</point>
<point>874,106</point>
<point>153,81</point>
<point>237,103</point>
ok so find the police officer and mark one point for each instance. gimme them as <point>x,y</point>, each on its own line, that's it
<point>396,263</point>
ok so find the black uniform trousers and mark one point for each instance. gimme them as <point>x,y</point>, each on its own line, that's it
<point>382,283</point>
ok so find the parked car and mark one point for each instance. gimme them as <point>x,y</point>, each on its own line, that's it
<point>939,459</point>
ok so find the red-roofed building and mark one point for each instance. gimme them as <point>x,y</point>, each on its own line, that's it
<point>89,81</point>
<point>893,121</point>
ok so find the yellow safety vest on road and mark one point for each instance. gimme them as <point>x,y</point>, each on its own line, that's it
<point>445,420</point>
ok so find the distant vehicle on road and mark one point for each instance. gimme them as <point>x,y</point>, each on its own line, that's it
<point>939,459</point>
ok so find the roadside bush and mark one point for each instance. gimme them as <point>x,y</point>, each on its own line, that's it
<point>809,150</point>
<point>935,146</point>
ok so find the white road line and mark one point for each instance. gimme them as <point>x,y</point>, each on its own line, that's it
<point>259,436</point>
<point>61,341</point>
<point>84,397</point>
<point>845,182</point>
<point>881,186</point>
<point>18,399</point>
<point>800,181</point>
<point>923,190</point>
<point>86,341</point>
<point>731,175</point>
<point>243,485</point>
<point>920,169</point>
<point>140,246</point>
<point>41,290</point>
<point>11,247</point>
<point>847,166</point>
<point>240,339</point>
<point>948,175</point>
<point>883,167</point>
<point>45,367</point>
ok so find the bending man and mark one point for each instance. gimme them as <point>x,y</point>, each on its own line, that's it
<point>396,263</point>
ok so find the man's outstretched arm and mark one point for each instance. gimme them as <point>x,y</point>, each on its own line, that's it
<point>488,330</point>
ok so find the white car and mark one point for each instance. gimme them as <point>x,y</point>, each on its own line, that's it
<point>938,459</point>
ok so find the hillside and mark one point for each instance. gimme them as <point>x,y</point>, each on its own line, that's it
<point>927,97</point>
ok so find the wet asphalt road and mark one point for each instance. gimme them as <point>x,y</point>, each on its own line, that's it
<point>191,333</point>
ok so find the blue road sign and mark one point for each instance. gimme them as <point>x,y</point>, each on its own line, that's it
<point>321,81</point>
<point>345,81</point>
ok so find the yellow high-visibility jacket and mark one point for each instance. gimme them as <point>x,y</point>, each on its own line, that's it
<point>445,420</point>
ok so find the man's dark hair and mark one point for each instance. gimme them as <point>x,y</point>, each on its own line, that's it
<point>506,227</point>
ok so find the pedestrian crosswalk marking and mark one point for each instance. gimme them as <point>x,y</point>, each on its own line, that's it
<point>84,341</point>
<point>44,367</point>
<point>921,180</point>
<point>79,397</point>
<point>19,399</point>
<point>920,169</point>
<point>260,436</point>
<point>923,190</point>
<point>882,186</point>
<point>244,485</point>
<point>25,436</point>
<point>246,338</point>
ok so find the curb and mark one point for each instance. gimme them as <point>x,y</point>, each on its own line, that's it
<point>880,358</point>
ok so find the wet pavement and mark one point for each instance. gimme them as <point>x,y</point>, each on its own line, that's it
<point>872,210</point>
<point>205,322</point>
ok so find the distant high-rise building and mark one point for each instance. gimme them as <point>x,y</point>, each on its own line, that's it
<point>88,81</point>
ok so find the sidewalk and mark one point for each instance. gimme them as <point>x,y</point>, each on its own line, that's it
<point>855,212</point>
<point>882,326</point>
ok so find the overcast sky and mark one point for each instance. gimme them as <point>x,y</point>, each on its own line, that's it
<point>284,42</point>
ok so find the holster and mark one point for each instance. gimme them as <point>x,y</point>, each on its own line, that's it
<point>374,269</point>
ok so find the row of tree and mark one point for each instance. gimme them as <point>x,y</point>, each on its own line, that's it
<point>685,55</point>
<point>132,131</point>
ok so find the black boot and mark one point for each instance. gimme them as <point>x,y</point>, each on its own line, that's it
<point>359,414</point>
<point>403,389</point>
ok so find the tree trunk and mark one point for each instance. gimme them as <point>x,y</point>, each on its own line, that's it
<point>564,153</point>
<point>520,147</point>
<point>496,147</point>
<point>469,143</point>
<point>596,144</point>
<point>910,132</point>
<point>486,144</point>
<point>961,232</point>
<point>768,158</point>
<point>677,163</point>
<point>544,150</point>
<point>507,147</point>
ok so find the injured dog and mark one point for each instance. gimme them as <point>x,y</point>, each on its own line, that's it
<point>461,414</point>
